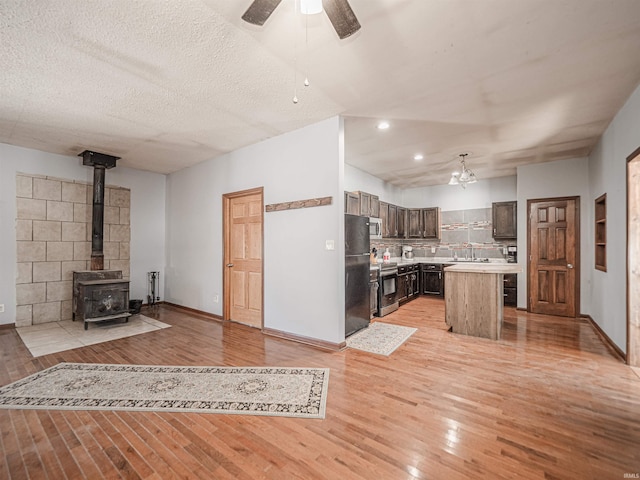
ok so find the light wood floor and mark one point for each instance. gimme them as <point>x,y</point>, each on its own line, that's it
<point>547,401</point>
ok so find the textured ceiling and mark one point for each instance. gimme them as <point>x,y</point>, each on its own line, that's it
<point>165,85</point>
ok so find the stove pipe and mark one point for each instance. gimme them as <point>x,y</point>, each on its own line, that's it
<point>100,163</point>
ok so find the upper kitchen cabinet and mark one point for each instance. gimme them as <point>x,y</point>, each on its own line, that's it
<point>351,203</point>
<point>393,221</point>
<point>423,223</point>
<point>414,223</point>
<point>431,223</point>
<point>369,205</point>
<point>384,217</point>
<point>389,218</point>
<point>401,222</point>
<point>505,220</point>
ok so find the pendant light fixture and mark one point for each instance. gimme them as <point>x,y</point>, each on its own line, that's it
<point>464,176</point>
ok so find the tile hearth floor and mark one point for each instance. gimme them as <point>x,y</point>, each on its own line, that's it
<point>54,337</point>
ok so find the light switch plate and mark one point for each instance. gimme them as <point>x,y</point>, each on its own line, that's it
<point>1,307</point>
<point>330,245</point>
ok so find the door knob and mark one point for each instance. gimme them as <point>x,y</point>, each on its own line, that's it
<point>229,264</point>
<point>569,265</point>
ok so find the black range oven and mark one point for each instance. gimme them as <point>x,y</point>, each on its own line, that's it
<point>388,291</point>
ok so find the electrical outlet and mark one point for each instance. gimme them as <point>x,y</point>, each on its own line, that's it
<point>433,249</point>
<point>216,299</point>
<point>1,307</point>
<point>330,245</point>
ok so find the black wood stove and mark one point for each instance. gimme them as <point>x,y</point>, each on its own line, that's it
<point>100,295</point>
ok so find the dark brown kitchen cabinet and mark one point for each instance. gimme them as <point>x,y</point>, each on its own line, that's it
<point>351,203</point>
<point>414,223</point>
<point>384,217</point>
<point>432,279</point>
<point>393,221</point>
<point>510,290</point>
<point>505,220</point>
<point>431,223</point>
<point>369,205</point>
<point>401,221</point>
<point>408,282</point>
<point>423,223</point>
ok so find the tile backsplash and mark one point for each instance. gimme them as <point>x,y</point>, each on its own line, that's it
<point>461,230</point>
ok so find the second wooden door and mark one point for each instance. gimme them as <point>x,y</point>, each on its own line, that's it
<point>243,258</point>
<point>553,254</point>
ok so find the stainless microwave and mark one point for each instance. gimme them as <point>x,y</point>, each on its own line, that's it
<point>375,227</point>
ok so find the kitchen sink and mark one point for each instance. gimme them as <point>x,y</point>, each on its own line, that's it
<point>470,260</point>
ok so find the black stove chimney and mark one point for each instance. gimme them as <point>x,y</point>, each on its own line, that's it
<point>100,163</point>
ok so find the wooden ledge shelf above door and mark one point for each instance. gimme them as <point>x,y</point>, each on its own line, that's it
<point>311,202</point>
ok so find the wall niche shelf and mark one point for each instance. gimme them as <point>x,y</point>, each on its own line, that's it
<point>601,232</point>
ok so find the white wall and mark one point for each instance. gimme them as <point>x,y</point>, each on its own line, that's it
<point>357,180</point>
<point>453,197</point>
<point>147,215</point>
<point>607,174</point>
<point>565,178</point>
<point>303,282</point>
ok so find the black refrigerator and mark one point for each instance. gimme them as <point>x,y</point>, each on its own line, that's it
<point>356,267</point>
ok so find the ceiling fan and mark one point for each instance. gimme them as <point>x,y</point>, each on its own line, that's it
<point>339,12</point>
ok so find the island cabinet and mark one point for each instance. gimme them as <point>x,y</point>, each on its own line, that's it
<point>423,223</point>
<point>504,216</point>
<point>474,298</point>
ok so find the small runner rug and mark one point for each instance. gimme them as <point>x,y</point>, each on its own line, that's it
<point>380,338</point>
<point>291,392</point>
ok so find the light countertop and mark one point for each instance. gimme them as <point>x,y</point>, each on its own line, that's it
<point>485,268</point>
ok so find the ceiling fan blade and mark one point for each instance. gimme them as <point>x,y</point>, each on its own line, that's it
<point>259,11</point>
<point>342,17</point>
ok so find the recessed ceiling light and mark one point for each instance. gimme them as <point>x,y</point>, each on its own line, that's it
<point>383,125</point>
<point>418,156</point>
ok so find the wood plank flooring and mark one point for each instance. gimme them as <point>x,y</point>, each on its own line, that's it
<point>547,401</point>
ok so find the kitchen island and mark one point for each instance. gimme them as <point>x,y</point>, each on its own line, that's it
<point>474,297</point>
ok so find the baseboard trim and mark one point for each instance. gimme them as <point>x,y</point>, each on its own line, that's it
<point>314,342</point>
<point>193,311</point>
<point>7,326</point>
<point>605,338</point>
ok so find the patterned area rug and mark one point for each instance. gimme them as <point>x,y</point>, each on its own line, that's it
<point>291,392</point>
<point>380,338</point>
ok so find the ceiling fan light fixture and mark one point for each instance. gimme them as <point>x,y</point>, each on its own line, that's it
<point>310,7</point>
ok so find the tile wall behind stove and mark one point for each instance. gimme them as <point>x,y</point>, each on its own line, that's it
<point>53,233</point>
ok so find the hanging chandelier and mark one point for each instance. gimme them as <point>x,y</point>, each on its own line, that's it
<point>464,176</point>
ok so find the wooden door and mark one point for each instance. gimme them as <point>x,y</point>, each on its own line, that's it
<point>633,259</point>
<point>243,284</point>
<point>553,256</point>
